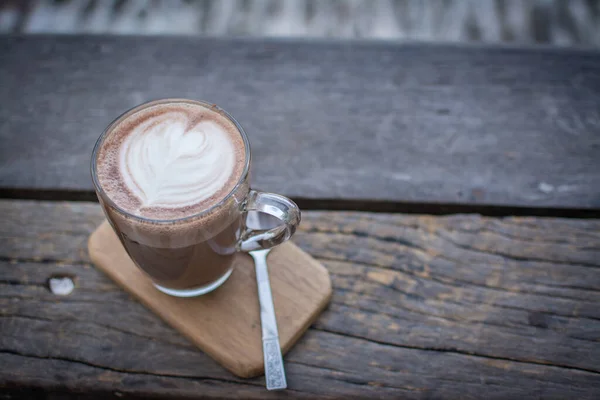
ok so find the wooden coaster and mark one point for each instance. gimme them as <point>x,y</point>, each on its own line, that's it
<point>226,323</point>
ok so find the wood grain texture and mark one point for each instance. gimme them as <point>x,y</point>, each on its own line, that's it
<point>423,307</point>
<point>326,120</point>
<point>226,323</point>
<point>557,22</point>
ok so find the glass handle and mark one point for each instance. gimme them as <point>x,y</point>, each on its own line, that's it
<point>257,236</point>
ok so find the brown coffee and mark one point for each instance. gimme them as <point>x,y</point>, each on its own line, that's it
<point>168,168</point>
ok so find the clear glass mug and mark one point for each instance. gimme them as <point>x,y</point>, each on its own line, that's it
<point>194,255</point>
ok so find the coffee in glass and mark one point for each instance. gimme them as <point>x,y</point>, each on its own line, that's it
<point>172,177</point>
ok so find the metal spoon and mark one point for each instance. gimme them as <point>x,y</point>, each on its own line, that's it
<point>274,371</point>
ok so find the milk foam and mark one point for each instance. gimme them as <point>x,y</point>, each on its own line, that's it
<point>167,162</point>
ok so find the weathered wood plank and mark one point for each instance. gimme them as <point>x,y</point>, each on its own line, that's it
<point>539,21</point>
<point>424,307</point>
<point>378,121</point>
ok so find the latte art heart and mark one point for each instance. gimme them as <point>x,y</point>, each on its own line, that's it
<point>166,163</point>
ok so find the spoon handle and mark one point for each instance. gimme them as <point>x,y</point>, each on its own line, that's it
<point>274,371</point>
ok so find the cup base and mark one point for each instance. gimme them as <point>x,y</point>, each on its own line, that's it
<point>198,291</point>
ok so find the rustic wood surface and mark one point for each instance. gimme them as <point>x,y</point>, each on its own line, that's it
<point>563,23</point>
<point>352,120</point>
<point>225,324</point>
<point>460,306</point>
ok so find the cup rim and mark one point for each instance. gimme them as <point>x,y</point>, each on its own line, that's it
<point>210,106</point>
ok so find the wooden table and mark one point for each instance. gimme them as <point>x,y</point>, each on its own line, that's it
<point>452,192</point>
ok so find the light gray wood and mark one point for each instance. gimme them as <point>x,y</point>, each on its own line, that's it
<point>423,307</point>
<point>559,22</point>
<point>326,120</point>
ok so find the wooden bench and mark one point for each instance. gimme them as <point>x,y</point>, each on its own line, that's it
<point>393,151</point>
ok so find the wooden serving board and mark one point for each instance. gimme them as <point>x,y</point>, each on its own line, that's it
<point>226,323</point>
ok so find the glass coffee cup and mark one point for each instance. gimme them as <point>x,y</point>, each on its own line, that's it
<point>190,255</point>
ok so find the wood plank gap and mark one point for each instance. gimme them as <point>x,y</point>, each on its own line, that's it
<point>450,350</point>
<point>366,205</point>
